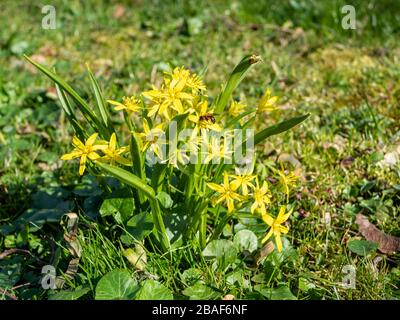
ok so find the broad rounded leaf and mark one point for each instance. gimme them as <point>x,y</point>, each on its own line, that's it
<point>165,199</point>
<point>245,240</point>
<point>280,293</point>
<point>362,247</point>
<point>116,285</point>
<point>138,227</point>
<point>222,250</point>
<point>70,295</point>
<point>153,290</point>
<point>119,204</point>
<point>200,291</point>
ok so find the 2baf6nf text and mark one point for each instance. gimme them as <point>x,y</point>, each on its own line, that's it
<point>201,309</point>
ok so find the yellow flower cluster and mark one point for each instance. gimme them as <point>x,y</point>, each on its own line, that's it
<point>246,188</point>
<point>87,150</point>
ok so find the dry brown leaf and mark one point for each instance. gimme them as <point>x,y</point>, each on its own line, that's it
<point>229,297</point>
<point>119,11</point>
<point>386,243</point>
<point>265,251</point>
<point>347,162</point>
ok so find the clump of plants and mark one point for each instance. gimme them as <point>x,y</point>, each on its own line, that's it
<point>189,160</point>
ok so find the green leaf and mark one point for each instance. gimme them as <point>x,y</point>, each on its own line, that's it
<point>305,284</point>
<point>138,227</point>
<point>119,204</point>
<point>70,295</point>
<point>278,128</point>
<point>116,285</point>
<point>222,250</point>
<point>200,291</point>
<point>137,159</point>
<point>362,247</point>
<point>101,104</point>
<point>165,200</point>
<point>134,181</point>
<point>82,105</point>
<point>10,272</point>
<point>235,78</point>
<point>191,276</point>
<point>128,178</point>
<point>280,293</point>
<point>65,104</point>
<point>137,257</point>
<point>245,240</point>
<point>153,290</point>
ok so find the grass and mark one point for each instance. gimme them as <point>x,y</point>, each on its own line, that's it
<point>347,79</point>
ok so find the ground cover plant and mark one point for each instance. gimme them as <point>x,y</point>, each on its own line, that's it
<point>98,201</point>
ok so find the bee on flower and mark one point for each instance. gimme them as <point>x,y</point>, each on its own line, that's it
<point>203,118</point>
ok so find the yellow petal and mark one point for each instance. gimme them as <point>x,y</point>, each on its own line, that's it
<point>123,161</point>
<point>230,205</point>
<point>283,229</point>
<point>254,207</point>
<point>113,142</point>
<point>267,219</point>
<point>72,155</point>
<point>281,214</point>
<point>278,242</point>
<point>216,187</point>
<point>78,143</point>
<point>93,156</point>
<point>82,164</point>
<point>100,147</point>
<point>115,103</point>
<point>91,139</point>
<point>269,234</point>
<point>226,180</point>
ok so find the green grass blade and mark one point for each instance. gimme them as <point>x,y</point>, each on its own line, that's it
<point>101,104</point>
<point>238,118</point>
<point>135,182</point>
<point>235,78</point>
<point>128,178</point>
<point>137,160</point>
<point>82,105</point>
<point>65,104</point>
<point>278,128</point>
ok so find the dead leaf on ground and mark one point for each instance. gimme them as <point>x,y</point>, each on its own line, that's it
<point>386,243</point>
<point>347,162</point>
<point>119,11</point>
<point>264,252</point>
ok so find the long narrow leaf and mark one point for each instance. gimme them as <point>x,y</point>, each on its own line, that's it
<point>134,181</point>
<point>65,104</point>
<point>101,104</point>
<point>82,105</point>
<point>235,78</point>
<point>279,128</point>
<point>128,178</point>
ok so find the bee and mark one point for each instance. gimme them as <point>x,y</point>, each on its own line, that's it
<point>207,117</point>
